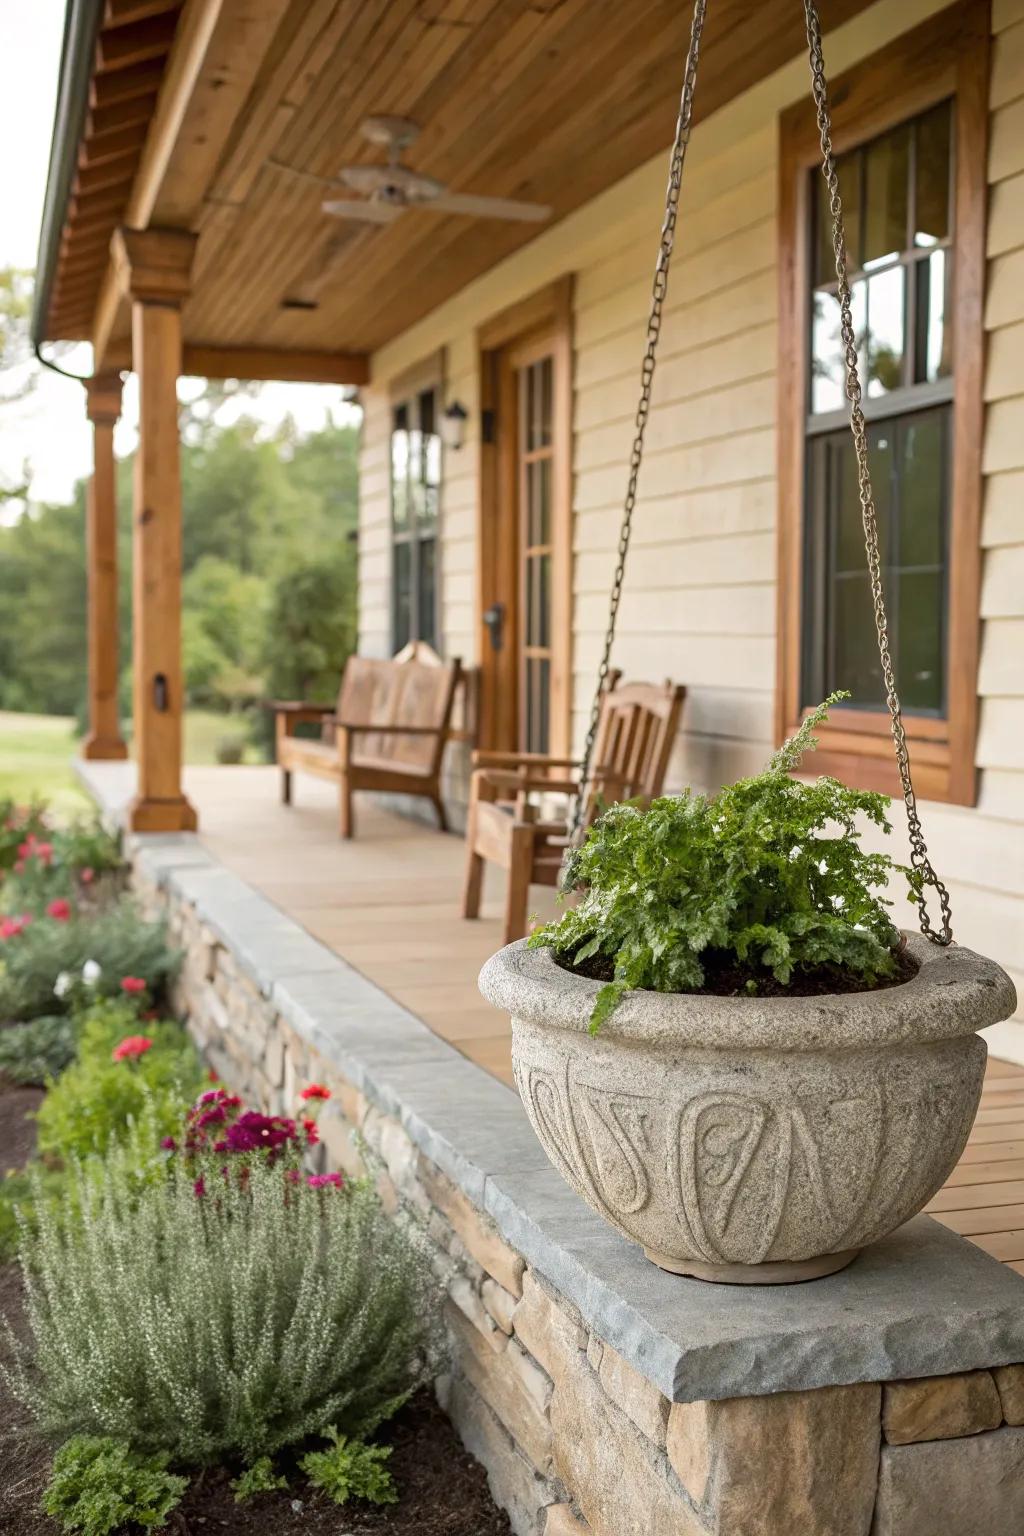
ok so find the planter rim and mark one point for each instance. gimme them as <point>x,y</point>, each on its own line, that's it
<point>955,992</point>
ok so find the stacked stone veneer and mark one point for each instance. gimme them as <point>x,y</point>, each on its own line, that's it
<point>577,1438</point>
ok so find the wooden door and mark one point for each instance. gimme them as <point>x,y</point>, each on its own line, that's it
<point>526,538</point>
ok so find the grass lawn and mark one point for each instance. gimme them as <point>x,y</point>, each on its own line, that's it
<point>36,753</point>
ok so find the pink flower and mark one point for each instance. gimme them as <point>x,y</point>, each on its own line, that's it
<point>10,927</point>
<point>44,852</point>
<point>19,866</point>
<point>131,1047</point>
<point>323,1180</point>
<point>169,1144</point>
<point>87,875</point>
<point>59,909</point>
<point>199,1187</point>
<point>315,1091</point>
<point>132,984</point>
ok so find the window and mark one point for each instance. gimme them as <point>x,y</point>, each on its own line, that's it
<point>898,203</point>
<point>909,132</point>
<point>415,494</point>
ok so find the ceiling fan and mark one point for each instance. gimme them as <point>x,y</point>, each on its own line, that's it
<point>390,190</point>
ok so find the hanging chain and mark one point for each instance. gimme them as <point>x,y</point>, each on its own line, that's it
<point>659,290</point>
<point>918,850</point>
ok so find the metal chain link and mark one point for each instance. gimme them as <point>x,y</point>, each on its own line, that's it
<point>918,850</point>
<point>659,290</point>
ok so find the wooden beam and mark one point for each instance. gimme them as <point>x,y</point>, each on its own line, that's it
<point>155,266</point>
<point>271,364</point>
<point>218,49</point>
<point>117,175</point>
<point>124,85</point>
<point>122,114</point>
<point>122,13</point>
<point>124,47</point>
<point>111,146</point>
<point>103,407</point>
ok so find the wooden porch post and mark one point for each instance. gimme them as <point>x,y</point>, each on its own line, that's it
<point>156,266</point>
<point>103,407</point>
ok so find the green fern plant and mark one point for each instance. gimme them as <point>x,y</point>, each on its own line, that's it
<point>351,1469</point>
<point>99,1485</point>
<point>259,1477</point>
<point>769,872</point>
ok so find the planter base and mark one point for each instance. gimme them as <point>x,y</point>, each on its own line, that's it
<point>776,1272</point>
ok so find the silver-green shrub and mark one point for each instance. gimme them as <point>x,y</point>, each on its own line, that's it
<point>226,1322</point>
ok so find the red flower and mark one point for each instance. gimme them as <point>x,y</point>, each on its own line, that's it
<point>44,852</point>
<point>132,1046</point>
<point>132,984</point>
<point>87,875</point>
<point>312,1134</point>
<point>315,1091</point>
<point>59,909</point>
<point>10,927</point>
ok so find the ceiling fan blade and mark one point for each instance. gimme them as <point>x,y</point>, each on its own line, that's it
<point>369,213</point>
<point>489,207</point>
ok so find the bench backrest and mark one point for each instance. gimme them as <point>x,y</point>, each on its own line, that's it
<point>635,736</point>
<point>413,688</point>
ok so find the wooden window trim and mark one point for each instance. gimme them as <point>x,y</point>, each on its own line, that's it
<point>947,55</point>
<point>547,313</point>
<point>428,374</point>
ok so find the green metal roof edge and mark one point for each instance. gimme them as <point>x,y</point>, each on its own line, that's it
<point>81,25</point>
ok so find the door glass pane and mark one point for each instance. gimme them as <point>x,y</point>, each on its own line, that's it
<point>919,650</point>
<point>544,416</point>
<point>427,625</point>
<point>922,470</point>
<point>848,169</point>
<point>931,213</point>
<point>885,196</point>
<point>538,510</point>
<point>403,595</point>
<point>886,304</point>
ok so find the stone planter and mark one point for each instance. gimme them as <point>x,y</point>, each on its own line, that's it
<point>753,1140</point>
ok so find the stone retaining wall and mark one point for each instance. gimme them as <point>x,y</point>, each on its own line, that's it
<point>576,1437</point>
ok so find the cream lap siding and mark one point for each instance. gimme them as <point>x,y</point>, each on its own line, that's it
<point>699,600</point>
<point>374,548</point>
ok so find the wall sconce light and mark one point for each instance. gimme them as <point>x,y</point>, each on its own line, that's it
<point>453,425</point>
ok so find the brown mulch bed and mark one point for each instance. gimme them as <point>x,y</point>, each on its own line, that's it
<point>442,1490</point>
<point>725,976</point>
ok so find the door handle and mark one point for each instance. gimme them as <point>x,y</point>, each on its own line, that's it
<point>494,619</point>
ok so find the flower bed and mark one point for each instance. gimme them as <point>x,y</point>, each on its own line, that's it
<point>207,1329</point>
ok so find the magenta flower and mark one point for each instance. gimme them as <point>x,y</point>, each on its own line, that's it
<point>323,1180</point>
<point>252,1132</point>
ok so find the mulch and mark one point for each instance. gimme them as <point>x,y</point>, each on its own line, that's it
<point>442,1490</point>
<point>725,976</point>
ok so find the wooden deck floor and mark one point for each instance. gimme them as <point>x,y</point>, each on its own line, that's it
<point>388,903</point>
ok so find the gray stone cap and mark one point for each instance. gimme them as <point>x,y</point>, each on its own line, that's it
<point>922,1302</point>
<point>955,992</point>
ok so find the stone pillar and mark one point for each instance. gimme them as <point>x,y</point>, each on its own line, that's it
<point>155,267</point>
<point>103,407</point>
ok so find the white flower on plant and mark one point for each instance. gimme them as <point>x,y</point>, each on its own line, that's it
<point>91,972</point>
<point>62,986</point>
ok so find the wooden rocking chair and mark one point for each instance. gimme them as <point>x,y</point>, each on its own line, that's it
<point>636,730</point>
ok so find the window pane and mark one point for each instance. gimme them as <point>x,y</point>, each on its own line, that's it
<point>403,595</point>
<point>427,625</point>
<point>931,215</point>
<point>886,177</point>
<point>848,169</point>
<point>845,494</point>
<point>400,477</point>
<point>828,371</point>
<point>856,666</point>
<point>545,403</point>
<point>934,338</point>
<point>886,304</point>
<point>426,411</point>
<point>919,651</point>
<point>922,469</point>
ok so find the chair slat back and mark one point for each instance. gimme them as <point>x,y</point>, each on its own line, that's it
<point>635,733</point>
<point>415,687</point>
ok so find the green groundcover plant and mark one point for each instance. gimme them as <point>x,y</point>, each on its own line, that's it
<point>42,959</point>
<point>124,1071</point>
<point>350,1469</point>
<point>99,1485</point>
<point>768,874</point>
<point>223,1314</point>
<point>35,1052</point>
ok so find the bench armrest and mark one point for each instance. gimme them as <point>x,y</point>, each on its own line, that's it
<point>503,778</point>
<point>296,707</point>
<point>384,730</point>
<point>524,759</point>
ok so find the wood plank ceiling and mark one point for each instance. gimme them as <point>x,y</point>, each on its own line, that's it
<point>547,100</point>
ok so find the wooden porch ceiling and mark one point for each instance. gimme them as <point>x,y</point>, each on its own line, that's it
<point>546,100</point>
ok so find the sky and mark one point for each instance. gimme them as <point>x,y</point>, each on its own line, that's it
<point>47,431</point>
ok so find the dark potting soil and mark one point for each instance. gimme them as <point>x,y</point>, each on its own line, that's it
<point>725,976</point>
<point>442,1490</point>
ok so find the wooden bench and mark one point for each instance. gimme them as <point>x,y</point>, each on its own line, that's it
<point>387,731</point>
<point>636,732</point>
